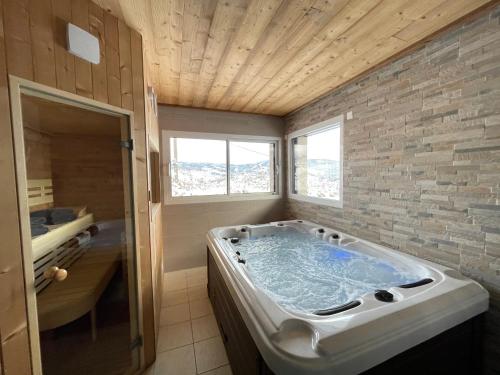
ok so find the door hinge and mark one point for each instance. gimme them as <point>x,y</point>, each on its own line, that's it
<point>138,341</point>
<point>129,143</point>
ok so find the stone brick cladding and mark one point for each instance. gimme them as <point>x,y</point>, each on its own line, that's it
<point>422,157</point>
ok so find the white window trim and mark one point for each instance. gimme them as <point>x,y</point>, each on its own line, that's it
<point>169,200</point>
<point>320,126</point>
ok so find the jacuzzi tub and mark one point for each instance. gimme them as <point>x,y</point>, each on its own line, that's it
<point>360,334</point>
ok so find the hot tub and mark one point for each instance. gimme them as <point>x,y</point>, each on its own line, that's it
<point>318,301</point>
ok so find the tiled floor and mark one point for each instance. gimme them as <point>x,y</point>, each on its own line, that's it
<point>189,342</point>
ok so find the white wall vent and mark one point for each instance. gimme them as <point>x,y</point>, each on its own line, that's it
<point>83,44</point>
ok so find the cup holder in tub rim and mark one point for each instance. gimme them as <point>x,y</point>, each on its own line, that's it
<point>296,337</point>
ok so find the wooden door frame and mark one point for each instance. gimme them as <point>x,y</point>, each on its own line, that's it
<point>18,86</point>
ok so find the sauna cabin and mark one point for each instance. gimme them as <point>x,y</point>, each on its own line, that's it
<point>78,188</point>
<point>246,187</point>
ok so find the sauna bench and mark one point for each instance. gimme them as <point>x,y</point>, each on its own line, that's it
<point>57,235</point>
<point>63,302</point>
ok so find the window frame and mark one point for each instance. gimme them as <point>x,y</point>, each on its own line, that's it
<point>334,122</point>
<point>228,197</point>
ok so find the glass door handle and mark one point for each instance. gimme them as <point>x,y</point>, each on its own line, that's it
<point>55,273</point>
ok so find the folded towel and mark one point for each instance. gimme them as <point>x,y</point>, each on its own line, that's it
<point>40,213</point>
<point>62,215</point>
<point>62,211</point>
<point>37,230</point>
<point>38,220</point>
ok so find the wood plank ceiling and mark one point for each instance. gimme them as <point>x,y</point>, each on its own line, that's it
<point>274,56</point>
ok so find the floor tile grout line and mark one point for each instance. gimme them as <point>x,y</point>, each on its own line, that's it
<point>190,320</point>
<point>195,361</point>
<point>205,372</point>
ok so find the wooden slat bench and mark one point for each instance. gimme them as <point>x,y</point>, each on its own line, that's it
<point>63,302</point>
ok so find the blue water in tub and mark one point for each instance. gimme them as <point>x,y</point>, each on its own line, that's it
<point>305,273</point>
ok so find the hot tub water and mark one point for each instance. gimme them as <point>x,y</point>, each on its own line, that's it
<point>305,273</point>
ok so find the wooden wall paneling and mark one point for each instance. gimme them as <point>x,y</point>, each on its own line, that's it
<point>156,237</point>
<point>99,72</point>
<point>112,59</point>
<point>37,51</point>
<point>37,150</point>
<point>125,66</point>
<point>142,210</point>
<point>263,56</point>
<point>286,61</point>
<point>434,19</point>
<point>64,61</point>
<point>167,17</point>
<point>151,76</point>
<point>111,6</point>
<point>187,74</point>
<point>373,40</point>
<point>79,164</point>
<point>291,22</point>
<point>331,50</point>
<point>14,340</point>
<point>42,41</point>
<point>138,94</point>
<point>345,65</point>
<point>157,248</point>
<point>18,38</point>
<point>251,29</point>
<point>1,355</point>
<point>137,80</point>
<point>83,69</point>
<point>197,51</point>
<point>15,348</point>
<point>226,18</point>
<point>154,158</point>
<point>375,55</point>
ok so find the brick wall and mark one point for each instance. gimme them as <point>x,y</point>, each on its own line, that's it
<point>422,157</point>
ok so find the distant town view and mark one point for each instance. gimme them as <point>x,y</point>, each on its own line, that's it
<point>190,179</point>
<point>323,178</point>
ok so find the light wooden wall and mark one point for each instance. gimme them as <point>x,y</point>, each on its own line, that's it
<point>87,170</point>
<point>37,148</point>
<point>155,208</point>
<point>32,46</point>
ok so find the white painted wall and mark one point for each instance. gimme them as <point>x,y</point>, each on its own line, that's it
<point>185,225</point>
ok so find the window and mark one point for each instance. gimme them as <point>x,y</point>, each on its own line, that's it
<point>252,167</point>
<point>206,167</point>
<point>197,167</point>
<point>315,163</point>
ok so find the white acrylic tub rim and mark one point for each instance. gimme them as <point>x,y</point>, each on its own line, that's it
<point>354,340</point>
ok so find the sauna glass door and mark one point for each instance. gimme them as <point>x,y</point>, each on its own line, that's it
<point>76,170</point>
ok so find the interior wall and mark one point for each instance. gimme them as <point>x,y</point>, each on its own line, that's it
<point>88,171</point>
<point>186,225</point>
<point>422,157</point>
<point>85,171</point>
<point>153,145</point>
<point>33,46</point>
<point>37,151</point>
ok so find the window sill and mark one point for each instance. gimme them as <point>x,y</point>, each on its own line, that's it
<point>220,198</point>
<point>315,200</point>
